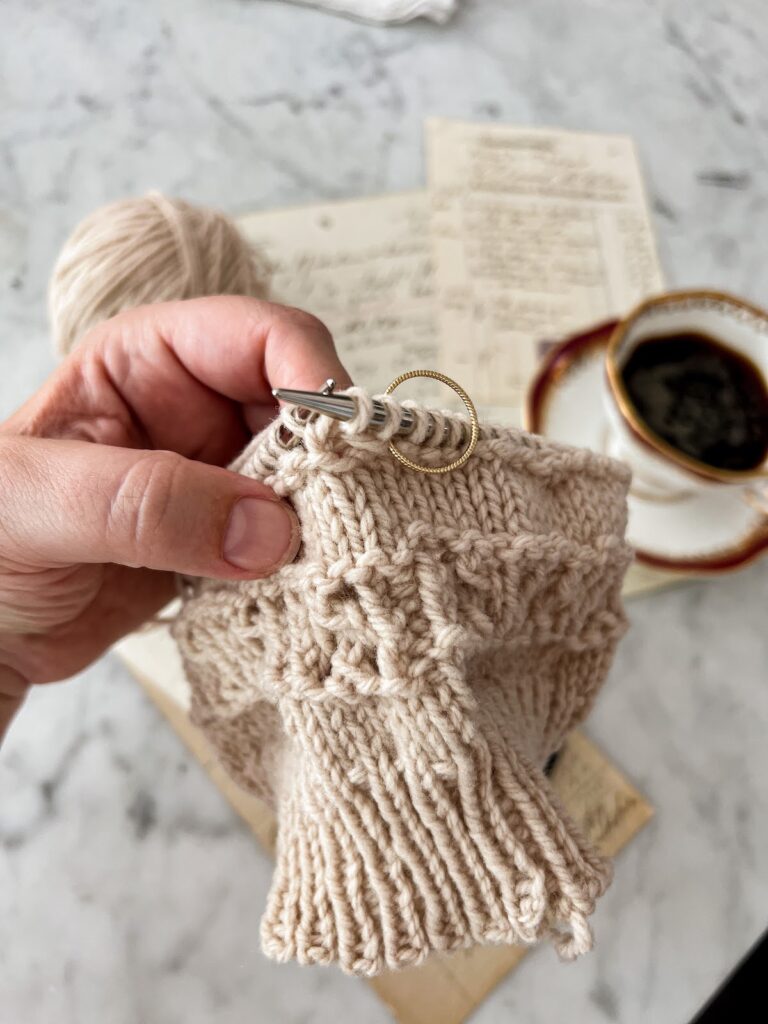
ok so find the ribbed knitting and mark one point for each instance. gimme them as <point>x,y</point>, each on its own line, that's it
<point>395,692</point>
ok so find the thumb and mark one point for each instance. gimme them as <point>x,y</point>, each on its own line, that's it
<point>66,502</point>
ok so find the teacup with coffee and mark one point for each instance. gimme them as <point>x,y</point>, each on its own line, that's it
<point>687,396</point>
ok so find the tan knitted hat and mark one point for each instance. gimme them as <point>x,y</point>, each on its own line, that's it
<point>395,692</point>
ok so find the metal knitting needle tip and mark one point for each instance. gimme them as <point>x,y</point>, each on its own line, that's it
<point>283,393</point>
<point>340,407</point>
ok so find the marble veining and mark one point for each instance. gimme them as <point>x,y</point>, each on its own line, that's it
<point>129,892</point>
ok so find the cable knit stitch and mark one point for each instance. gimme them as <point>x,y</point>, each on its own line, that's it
<point>395,691</point>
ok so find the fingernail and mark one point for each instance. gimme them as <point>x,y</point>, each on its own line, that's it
<point>261,535</point>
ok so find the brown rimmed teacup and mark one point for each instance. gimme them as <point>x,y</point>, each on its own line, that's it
<point>661,471</point>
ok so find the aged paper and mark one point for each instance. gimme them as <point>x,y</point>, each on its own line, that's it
<point>642,579</point>
<point>364,266</point>
<point>600,799</point>
<point>536,234</point>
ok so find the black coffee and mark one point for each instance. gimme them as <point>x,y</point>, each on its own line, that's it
<point>702,398</point>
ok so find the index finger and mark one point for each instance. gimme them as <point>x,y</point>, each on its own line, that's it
<point>239,347</point>
<point>195,377</point>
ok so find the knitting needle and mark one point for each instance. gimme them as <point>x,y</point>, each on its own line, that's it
<point>340,407</point>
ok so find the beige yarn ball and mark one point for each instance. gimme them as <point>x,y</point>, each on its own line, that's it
<point>148,249</point>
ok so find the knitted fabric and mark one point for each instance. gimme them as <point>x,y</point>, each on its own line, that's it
<point>395,692</point>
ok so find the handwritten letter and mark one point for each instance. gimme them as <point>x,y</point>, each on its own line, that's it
<point>536,234</point>
<point>365,268</point>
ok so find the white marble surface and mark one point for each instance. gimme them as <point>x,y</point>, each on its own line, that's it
<point>128,892</point>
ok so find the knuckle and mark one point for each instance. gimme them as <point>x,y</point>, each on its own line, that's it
<point>291,318</point>
<point>284,319</point>
<point>141,507</point>
<point>308,321</point>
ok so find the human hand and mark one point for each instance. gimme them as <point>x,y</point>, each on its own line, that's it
<point>111,478</point>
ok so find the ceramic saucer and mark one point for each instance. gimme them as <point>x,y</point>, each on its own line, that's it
<point>702,533</point>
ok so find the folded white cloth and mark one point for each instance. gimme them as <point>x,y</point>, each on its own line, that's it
<point>389,11</point>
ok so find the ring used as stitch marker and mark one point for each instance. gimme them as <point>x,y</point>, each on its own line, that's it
<point>469,405</point>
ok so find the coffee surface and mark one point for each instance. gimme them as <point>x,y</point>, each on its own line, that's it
<point>701,397</point>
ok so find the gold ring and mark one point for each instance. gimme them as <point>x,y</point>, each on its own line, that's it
<point>474,434</point>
